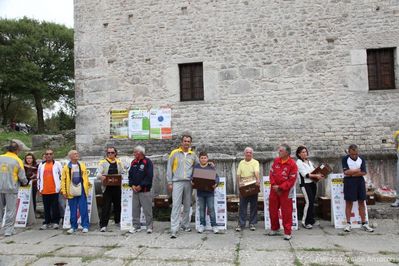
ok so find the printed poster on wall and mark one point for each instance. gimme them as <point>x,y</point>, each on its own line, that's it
<point>220,208</point>
<point>139,124</point>
<point>119,124</point>
<point>127,207</point>
<point>25,213</point>
<point>266,193</point>
<point>91,208</point>
<point>160,123</point>
<point>338,204</point>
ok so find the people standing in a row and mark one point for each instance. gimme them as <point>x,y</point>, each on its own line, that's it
<point>248,168</point>
<point>12,174</point>
<point>111,165</point>
<point>179,171</point>
<point>141,173</point>
<point>75,188</point>
<point>49,185</point>
<point>283,175</point>
<point>30,166</point>
<point>308,185</point>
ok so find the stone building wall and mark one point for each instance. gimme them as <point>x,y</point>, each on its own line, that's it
<point>274,71</point>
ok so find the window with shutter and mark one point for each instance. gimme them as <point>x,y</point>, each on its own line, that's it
<point>191,82</point>
<point>381,69</point>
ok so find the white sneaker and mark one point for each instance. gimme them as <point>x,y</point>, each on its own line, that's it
<point>71,231</point>
<point>347,228</point>
<point>215,230</point>
<point>186,229</point>
<point>56,226</point>
<point>7,234</point>
<point>287,237</point>
<point>85,230</point>
<point>273,233</point>
<point>44,227</point>
<point>395,204</point>
<point>173,235</point>
<point>103,229</point>
<point>307,226</point>
<point>252,227</point>
<point>200,229</point>
<point>367,228</point>
<point>149,231</point>
<point>134,230</point>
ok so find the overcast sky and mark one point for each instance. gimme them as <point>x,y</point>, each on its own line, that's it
<point>59,11</point>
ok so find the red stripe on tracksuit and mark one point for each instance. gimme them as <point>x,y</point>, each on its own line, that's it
<point>284,175</point>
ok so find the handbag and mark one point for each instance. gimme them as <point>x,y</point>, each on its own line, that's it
<point>75,190</point>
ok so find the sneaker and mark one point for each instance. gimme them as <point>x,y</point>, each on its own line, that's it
<point>149,231</point>
<point>186,229</point>
<point>200,229</point>
<point>307,226</point>
<point>348,228</point>
<point>287,237</point>
<point>45,227</point>
<point>252,227</point>
<point>317,223</point>
<point>395,204</point>
<point>367,228</point>
<point>173,235</point>
<point>85,230</point>
<point>9,233</point>
<point>56,226</point>
<point>71,231</point>
<point>134,230</point>
<point>215,230</point>
<point>238,228</point>
<point>273,232</point>
<point>103,229</point>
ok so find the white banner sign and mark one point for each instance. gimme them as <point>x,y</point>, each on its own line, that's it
<point>266,193</point>
<point>25,213</point>
<point>127,207</point>
<point>338,204</point>
<point>220,208</point>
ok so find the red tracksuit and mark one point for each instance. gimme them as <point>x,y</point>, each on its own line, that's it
<point>284,175</point>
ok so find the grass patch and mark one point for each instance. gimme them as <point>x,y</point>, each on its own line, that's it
<point>394,261</point>
<point>10,242</point>
<point>88,259</point>
<point>237,255</point>
<point>110,247</point>
<point>316,249</point>
<point>5,137</point>
<point>383,252</point>
<point>297,262</point>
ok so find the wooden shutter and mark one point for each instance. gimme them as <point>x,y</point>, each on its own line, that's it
<point>191,82</point>
<point>380,64</point>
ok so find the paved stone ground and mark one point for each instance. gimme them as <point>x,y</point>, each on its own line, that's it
<point>322,245</point>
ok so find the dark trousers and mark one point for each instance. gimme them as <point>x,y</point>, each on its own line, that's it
<point>309,191</point>
<point>111,195</point>
<point>34,193</point>
<point>253,218</point>
<point>51,209</point>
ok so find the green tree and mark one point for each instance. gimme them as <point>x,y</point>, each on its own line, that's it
<point>36,63</point>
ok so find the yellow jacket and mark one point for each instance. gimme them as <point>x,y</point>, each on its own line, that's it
<point>66,179</point>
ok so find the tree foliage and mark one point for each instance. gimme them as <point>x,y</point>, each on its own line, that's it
<point>36,65</point>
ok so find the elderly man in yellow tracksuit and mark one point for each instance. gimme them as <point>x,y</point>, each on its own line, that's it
<point>12,173</point>
<point>179,170</point>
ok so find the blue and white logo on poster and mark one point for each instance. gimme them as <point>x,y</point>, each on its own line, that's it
<point>160,118</point>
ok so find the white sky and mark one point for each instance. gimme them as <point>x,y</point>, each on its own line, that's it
<point>58,11</point>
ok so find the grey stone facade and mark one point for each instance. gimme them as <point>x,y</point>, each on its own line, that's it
<point>274,71</point>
